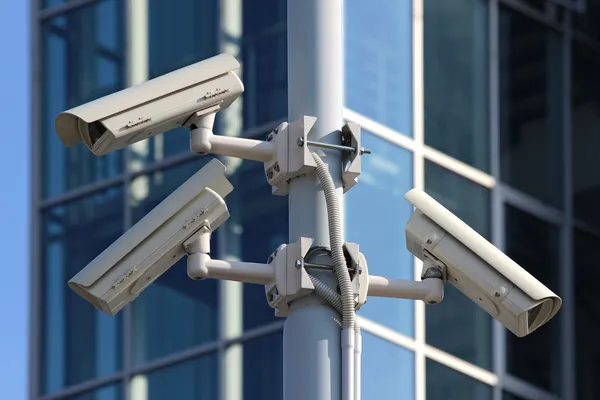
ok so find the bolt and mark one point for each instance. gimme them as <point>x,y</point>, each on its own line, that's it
<point>298,263</point>
<point>364,151</point>
<point>300,142</point>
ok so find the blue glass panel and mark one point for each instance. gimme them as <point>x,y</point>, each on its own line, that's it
<point>376,213</point>
<point>258,225</point>
<point>388,370</point>
<point>113,392</point>
<point>181,33</point>
<point>535,245</point>
<point>264,52</point>
<point>378,55</point>
<point>82,59</point>
<point>190,380</point>
<point>456,99</point>
<point>457,325</point>
<point>263,368</point>
<point>175,312</point>
<point>444,383</point>
<point>72,235</point>
<point>531,92</point>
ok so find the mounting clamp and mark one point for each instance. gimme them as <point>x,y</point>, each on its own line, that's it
<point>292,280</point>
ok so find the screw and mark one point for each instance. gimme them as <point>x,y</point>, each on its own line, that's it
<point>300,142</point>
<point>298,263</point>
<point>364,151</point>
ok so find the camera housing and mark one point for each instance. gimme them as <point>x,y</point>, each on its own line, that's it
<point>146,251</point>
<point>477,268</point>
<point>115,121</point>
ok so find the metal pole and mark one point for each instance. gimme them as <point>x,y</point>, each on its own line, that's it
<point>311,338</point>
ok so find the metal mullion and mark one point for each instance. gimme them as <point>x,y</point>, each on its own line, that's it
<point>84,387</point>
<point>525,389</point>
<point>204,349</point>
<point>81,191</point>
<point>532,13</point>
<point>171,161</point>
<point>35,276</point>
<point>63,8</point>
<point>497,206</point>
<point>531,205</point>
<point>567,270</point>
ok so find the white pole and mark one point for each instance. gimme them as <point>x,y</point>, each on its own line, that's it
<point>311,339</point>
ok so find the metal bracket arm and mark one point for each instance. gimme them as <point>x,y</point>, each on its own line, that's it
<point>201,266</point>
<point>431,290</point>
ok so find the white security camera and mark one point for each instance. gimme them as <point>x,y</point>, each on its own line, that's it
<point>477,268</point>
<point>136,113</point>
<point>147,250</point>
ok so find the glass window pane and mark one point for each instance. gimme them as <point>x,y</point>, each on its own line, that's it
<point>534,245</point>
<point>587,314</point>
<point>510,396</point>
<point>386,175</point>
<point>455,35</point>
<point>258,225</point>
<point>585,111</point>
<point>82,59</point>
<point>388,371</point>
<point>457,325</point>
<point>190,380</point>
<point>378,61</point>
<point>587,22</point>
<point>444,383</point>
<point>74,234</point>
<point>180,35</point>
<point>264,52</point>
<point>175,312</point>
<point>263,368</point>
<point>531,82</point>
<point>113,392</point>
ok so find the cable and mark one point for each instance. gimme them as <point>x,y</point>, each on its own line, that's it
<point>336,242</point>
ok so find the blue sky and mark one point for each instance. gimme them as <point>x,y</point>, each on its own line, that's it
<point>14,200</point>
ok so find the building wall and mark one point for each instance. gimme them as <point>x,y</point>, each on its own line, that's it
<point>491,106</point>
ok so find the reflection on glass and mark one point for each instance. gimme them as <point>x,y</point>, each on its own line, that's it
<point>444,383</point>
<point>388,371</point>
<point>264,52</point>
<point>179,36</point>
<point>378,64</point>
<point>587,313</point>
<point>456,79</point>
<point>457,325</point>
<point>175,312</point>
<point>113,392</point>
<point>510,396</point>
<point>585,111</point>
<point>534,245</point>
<point>258,225</point>
<point>587,22</point>
<point>379,228</point>
<point>531,82</point>
<point>263,368</point>
<point>190,380</point>
<point>71,326</point>
<point>82,60</point>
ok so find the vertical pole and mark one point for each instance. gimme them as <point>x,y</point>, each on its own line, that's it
<point>311,337</point>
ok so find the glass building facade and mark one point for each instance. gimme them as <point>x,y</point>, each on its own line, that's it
<point>444,92</point>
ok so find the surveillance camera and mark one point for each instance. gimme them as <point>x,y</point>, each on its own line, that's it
<point>147,250</point>
<point>477,268</point>
<point>136,113</point>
